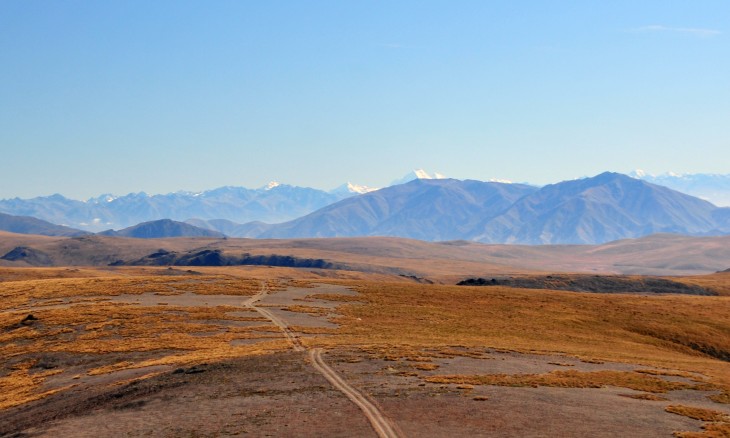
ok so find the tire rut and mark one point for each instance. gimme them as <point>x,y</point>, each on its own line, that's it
<point>378,421</point>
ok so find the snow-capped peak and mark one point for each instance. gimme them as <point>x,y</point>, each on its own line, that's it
<point>271,185</point>
<point>421,174</point>
<point>498,180</point>
<point>418,174</point>
<point>350,188</point>
<point>101,199</point>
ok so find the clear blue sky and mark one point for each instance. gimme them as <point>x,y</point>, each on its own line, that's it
<point>156,96</point>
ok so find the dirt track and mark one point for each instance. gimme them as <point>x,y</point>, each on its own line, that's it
<point>376,418</point>
<point>381,425</point>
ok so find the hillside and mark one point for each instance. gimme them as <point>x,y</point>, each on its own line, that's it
<point>31,225</point>
<point>162,229</point>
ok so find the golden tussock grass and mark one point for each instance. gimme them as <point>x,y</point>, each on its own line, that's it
<point>337,297</point>
<point>678,332</point>
<point>717,423</point>
<point>691,376</point>
<point>21,386</point>
<point>723,397</point>
<point>719,282</point>
<point>116,327</point>
<point>28,293</point>
<point>213,354</point>
<point>698,413</point>
<point>568,379</point>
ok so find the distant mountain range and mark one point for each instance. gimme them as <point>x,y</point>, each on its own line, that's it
<point>274,203</point>
<point>710,187</point>
<point>594,210</point>
<point>424,209</point>
<point>607,207</point>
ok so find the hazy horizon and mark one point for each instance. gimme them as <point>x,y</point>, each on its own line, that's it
<point>330,189</point>
<point>159,97</point>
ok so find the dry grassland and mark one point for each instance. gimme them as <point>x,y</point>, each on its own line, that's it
<point>676,332</point>
<point>719,282</point>
<point>717,423</point>
<point>569,379</point>
<point>392,320</point>
<point>73,316</point>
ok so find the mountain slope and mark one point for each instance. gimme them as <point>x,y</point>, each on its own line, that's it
<point>607,207</point>
<point>31,225</point>
<point>425,209</point>
<point>161,229</point>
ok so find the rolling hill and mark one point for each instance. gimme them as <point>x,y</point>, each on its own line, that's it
<point>661,254</point>
<point>162,229</point>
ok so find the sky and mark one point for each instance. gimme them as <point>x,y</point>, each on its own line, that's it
<point>128,96</point>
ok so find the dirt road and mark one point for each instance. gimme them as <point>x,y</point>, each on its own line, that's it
<point>251,303</point>
<point>377,420</point>
<point>381,425</point>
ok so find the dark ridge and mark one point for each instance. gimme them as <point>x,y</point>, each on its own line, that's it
<point>210,257</point>
<point>289,261</point>
<point>31,256</point>
<point>416,278</point>
<point>592,283</point>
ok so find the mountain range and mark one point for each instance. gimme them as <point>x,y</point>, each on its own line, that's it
<point>273,203</point>
<point>710,187</point>
<point>603,208</point>
<point>424,209</point>
<point>607,207</point>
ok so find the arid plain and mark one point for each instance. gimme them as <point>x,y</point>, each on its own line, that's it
<point>379,341</point>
